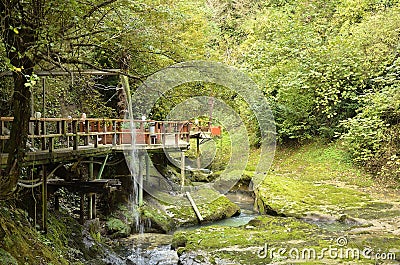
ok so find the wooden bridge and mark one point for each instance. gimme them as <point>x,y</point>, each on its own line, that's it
<point>52,140</point>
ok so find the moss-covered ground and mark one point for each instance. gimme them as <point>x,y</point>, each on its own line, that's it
<point>66,242</point>
<point>334,214</point>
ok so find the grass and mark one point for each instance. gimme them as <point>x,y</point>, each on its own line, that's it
<point>319,162</point>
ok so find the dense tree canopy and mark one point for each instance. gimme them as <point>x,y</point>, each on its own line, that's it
<point>319,63</point>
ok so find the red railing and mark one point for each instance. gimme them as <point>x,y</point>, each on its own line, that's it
<point>55,133</point>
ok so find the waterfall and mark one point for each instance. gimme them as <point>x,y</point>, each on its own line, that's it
<point>132,158</point>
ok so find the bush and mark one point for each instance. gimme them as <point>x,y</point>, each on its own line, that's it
<point>373,136</point>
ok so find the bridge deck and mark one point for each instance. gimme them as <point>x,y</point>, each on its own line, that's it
<point>61,139</point>
<point>67,154</point>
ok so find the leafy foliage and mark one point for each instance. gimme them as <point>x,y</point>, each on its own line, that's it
<point>327,68</point>
<point>372,136</point>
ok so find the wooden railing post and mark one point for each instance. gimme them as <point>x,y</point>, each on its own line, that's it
<point>86,129</point>
<point>51,144</point>
<point>119,129</point>
<point>105,132</point>
<point>96,141</point>
<point>50,133</point>
<point>75,136</point>
<point>43,133</point>
<point>176,133</point>
<point>114,136</point>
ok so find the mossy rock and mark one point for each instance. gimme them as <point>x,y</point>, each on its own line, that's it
<point>199,176</point>
<point>296,197</point>
<point>240,244</point>
<point>117,228</point>
<point>179,240</point>
<point>168,216</point>
<point>158,219</point>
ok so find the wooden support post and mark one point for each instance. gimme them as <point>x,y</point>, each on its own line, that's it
<point>82,209</point>
<point>51,144</point>
<point>44,200</point>
<point>119,129</point>
<point>182,169</point>
<point>140,180</point>
<point>64,130</point>
<point>198,161</point>
<point>44,97</point>
<point>64,127</point>
<point>91,195</point>
<point>58,127</point>
<point>37,128</point>
<point>94,206</point>
<point>90,206</point>
<point>102,167</point>
<point>56,202</point>
<point>91,169</point>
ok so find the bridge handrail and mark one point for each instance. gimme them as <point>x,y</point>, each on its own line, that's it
<point>55,133</point>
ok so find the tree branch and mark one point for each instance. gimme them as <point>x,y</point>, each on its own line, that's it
<point>97,7</point>
<point>61,60</point>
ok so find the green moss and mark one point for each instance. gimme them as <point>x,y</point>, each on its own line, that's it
<point>211,204</point>
<point>319,162</point>
<point>244,245</point>
<point>370,213</point>
<point>158,218</point>
<point>6,258</point>
<point>117,227</point>
<point>314,178</point>
<point>240,244</point>
<point>21,241</point>
<point>297,197</point>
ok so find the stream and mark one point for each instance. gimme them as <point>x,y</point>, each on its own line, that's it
<point>155,249</point>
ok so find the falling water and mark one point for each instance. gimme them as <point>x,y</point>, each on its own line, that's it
<point>132,158</point>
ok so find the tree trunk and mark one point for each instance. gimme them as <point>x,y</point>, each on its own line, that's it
<point>16,146</point>
<point>122,105</point>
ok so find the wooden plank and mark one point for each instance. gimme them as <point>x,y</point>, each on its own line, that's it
<point>194,206</point>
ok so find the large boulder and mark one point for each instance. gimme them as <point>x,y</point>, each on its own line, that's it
<point>168,212</point>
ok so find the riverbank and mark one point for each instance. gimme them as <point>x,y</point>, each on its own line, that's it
<point>326,211</point>
<point>321,203</point>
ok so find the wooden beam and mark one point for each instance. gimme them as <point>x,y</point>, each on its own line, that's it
<point>102,167</point>
<point>44,200</point>
<point>196,210</point>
